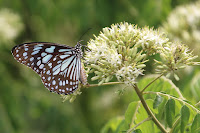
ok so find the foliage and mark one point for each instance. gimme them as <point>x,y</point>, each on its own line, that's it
<point>173,110</point>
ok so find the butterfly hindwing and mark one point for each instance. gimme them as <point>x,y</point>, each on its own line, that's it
<point>62,77</point>
<point>58,65</point>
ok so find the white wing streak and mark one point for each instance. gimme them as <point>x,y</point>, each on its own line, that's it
<point>64,56</point>
<point>78,69</point>
<point>56,69</point>
<point>73,67</point>
<point>69,70</point>
<point>66,62</point>
<point>64,50</point>
<point>46,58</point>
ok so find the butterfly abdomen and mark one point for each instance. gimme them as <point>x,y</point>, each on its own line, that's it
<point>83,76</point>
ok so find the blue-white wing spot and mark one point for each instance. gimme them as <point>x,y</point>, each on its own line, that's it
<point>43,54</point>
<point>51,49</point>
<point>25,54</point>
<point>31,59</point>
<point>37,48</point>
<point>35,52</point>
<point>41,66</point>
<point>46,58</point>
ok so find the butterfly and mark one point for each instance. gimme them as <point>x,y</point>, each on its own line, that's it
<point>59,66</point>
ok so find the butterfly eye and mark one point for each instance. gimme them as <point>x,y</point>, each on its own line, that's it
<point>58,65</point>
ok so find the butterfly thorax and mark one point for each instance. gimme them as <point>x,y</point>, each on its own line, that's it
<point>78,50</point>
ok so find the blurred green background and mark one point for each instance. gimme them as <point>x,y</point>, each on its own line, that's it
<point>26,106</point>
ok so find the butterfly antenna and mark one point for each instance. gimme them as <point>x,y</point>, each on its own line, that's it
<point>84,33</point>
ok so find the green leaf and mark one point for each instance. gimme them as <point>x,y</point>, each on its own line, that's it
<point>137,131</point>
<point>194,85</point>
<point>177,128</point>
<point>150,104</point>
<point>170,112</point>
<point>137,113</point>
<point>122,127</point>
<point>161,109</point>
<point>112,125</point>
<point>147,126</point>
<point>185,115</point>
<point>158,100</point>
<point>196,124</point>
<point>131,110</point>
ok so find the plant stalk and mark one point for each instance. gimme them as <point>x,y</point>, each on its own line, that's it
<point>175,124</point>
<point>149,112</point>
<point>109,83</point>
<point>130,130</point>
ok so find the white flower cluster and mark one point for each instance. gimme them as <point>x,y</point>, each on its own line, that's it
<point>113,54</point>
<point>103,52</point>
<point>183,25</point>
<point>128,74</point>
<point>10,25</point>
<point>174,57</point>
<point>151,40</point>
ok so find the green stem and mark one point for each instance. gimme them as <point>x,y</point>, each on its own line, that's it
<point>175,124</point>
<point>109,83</point>
<point>147,119</point>
<point>151,83</point>
<point>149,112</point>
<point>134,116</point>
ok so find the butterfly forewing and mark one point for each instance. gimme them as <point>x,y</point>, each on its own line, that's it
<point>58,65</point>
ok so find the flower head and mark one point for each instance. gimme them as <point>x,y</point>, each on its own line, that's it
<point>113,52</point>
<point>183,25</point>
<point>10,25</point>
<point>174,57</point>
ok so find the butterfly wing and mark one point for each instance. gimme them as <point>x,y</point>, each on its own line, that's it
<point>58,65</point>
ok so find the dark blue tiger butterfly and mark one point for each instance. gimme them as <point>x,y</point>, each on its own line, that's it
<point>58,65</point>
